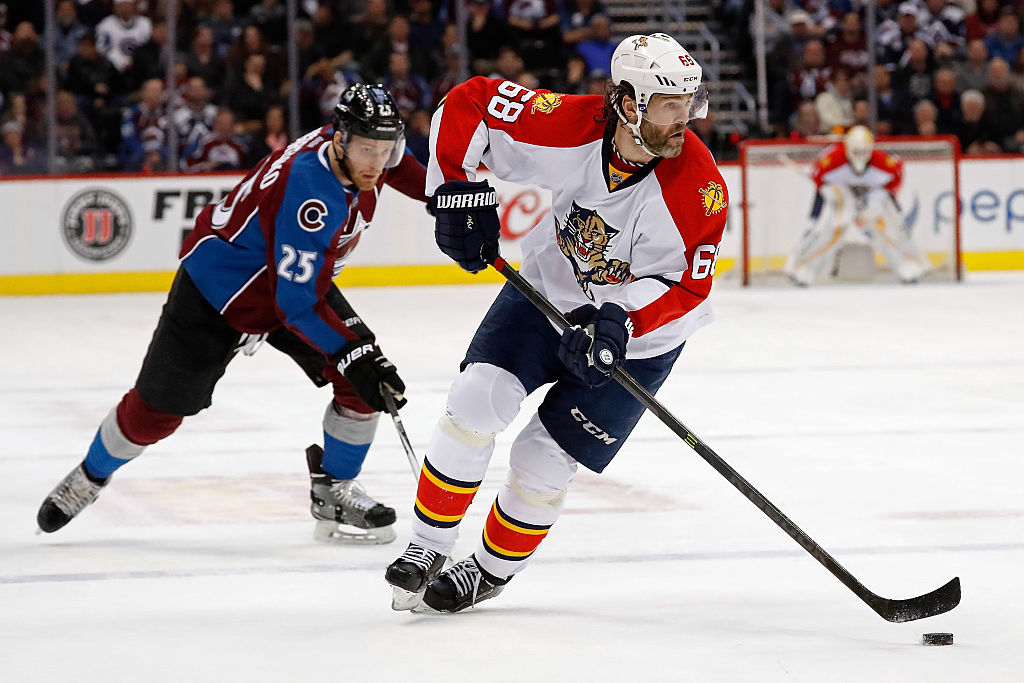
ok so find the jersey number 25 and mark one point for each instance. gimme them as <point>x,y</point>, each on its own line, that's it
<point>304,266</point>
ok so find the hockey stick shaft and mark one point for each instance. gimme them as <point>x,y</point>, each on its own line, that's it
<point>793,166</point>
<point>937,602</point>
<point>410,454</point>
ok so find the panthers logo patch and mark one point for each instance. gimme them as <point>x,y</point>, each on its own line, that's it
<point>584,238</point>
<point>546,103</point>
<point>713,198</point>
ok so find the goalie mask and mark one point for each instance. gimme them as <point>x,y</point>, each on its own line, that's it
<point>369,111</point>
<point>656,64</point>
<point>859,144</point>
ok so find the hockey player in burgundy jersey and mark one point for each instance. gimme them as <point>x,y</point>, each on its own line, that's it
<point>856,199</point>
<point>638,210</point>
<point>259,266</point>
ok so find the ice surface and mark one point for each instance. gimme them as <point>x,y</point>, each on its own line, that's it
<point>886,421</point>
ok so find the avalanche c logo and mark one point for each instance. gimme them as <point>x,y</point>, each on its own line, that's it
<point>310,215</point>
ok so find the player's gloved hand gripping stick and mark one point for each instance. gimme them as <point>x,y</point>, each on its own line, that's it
<point>930,604</point>
<point>465,219</point>
<point>367,369</point>
<point>595,342</point>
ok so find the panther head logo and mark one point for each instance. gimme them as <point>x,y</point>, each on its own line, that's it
<point>584,237</point>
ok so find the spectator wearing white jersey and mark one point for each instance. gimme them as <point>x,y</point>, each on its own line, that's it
<point>118,35</point>
<point>835,105</point>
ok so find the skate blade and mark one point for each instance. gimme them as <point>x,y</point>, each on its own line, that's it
<point>333,533</point>
<point>405,601</point>
<point>424,608</point>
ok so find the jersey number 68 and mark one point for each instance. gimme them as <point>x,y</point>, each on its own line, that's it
<point>505,108</point>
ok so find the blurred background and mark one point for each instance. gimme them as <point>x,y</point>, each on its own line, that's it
<point>91,86</point>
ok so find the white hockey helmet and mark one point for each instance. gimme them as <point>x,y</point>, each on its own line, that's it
<point>859,144</point>
<point>653,64</point>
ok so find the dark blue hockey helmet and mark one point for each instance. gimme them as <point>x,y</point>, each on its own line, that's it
<point>370,111</point>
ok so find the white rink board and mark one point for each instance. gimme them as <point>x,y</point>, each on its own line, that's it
<point>164,207</point>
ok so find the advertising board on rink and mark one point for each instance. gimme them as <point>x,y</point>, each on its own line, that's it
<point>123,233</point>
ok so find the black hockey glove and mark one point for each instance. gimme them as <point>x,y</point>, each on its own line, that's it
<point>366,368</point>
<point>466,218</point>
<point>596,342</point>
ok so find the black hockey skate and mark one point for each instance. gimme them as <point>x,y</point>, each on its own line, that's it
<point>409,575</point>
<point>462,586</point>
<point>68,498</point>
<point>344,502</point>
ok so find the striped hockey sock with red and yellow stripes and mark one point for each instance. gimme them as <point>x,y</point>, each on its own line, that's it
<point>442,501</point>
<point>510,539</point>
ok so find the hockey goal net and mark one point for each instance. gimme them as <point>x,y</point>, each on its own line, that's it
<point>779,194</point>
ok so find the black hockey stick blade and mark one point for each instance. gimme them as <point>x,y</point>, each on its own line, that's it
<point>928,605</point>
<point>939,601</point>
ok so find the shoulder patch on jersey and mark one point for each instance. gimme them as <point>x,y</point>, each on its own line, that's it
<point>713,197</point>
<point>583,238</point>
<point>546,103</point>
<point>310,215</point>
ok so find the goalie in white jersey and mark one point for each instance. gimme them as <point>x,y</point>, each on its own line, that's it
<point>855,203</point>
<point>638,210</point>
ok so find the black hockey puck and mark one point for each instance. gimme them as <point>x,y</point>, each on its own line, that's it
<point>937,639</point>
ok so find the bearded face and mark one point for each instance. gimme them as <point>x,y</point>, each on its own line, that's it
<point>664,141</point>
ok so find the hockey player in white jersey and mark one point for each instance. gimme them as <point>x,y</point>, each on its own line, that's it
<point>638,210</point>
<point>855,202</point>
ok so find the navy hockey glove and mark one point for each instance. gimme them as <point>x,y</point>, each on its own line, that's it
<point>366,368</point>
<point>466,218</point>
<point>596,343</point>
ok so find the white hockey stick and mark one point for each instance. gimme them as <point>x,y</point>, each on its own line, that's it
<point>793,166</point>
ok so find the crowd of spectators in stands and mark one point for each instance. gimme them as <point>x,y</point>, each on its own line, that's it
<point>942,68</point>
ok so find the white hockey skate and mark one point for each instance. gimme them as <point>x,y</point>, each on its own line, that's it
<point>67,499</point>
<point>343,511</point>
<point>410,574</point>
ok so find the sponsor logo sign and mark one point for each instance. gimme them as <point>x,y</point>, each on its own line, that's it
<point>96,224</point>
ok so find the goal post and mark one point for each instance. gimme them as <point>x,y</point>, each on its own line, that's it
<point>778,195</point>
